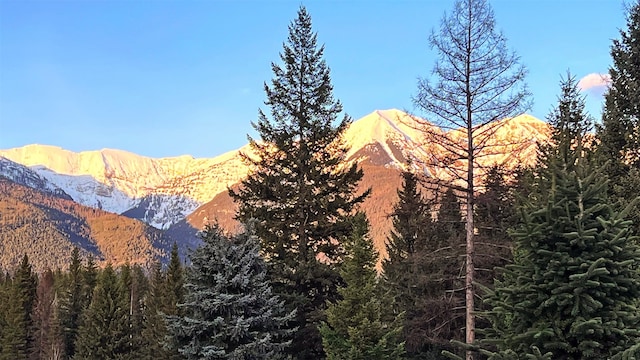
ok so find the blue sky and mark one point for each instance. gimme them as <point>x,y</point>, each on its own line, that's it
<point>165,78</point>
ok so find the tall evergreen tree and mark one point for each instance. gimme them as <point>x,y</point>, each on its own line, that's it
<point>89,276</point>
<point>478,81</point>
<point>572,292</point>
<point>174,283</point>
<point>72,302</point>
<point>133,286</point>
<point>154,330</point>
<point>411,219</point>
<point>299,192</point>
<point>229,310</point>
<point>103,333</point>
<point>620,131</point>
<point>403,275</point>
<point>619,134</point>
<point>356,327</point>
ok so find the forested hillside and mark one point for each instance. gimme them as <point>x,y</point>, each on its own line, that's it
<point>47,228</point>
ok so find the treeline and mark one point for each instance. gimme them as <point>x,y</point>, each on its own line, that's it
<point>551,250</point>
<point>89,312</point>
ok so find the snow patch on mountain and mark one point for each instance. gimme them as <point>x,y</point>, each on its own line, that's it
<point>22,175</point>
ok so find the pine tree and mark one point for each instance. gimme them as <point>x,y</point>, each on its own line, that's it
<point>104,331</point>
<point>299,191</point>
<point>229,311</point>
<point>356,327</point>
<point>572,292</point>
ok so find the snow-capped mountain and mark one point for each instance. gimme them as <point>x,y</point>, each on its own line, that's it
<point>22,175</point>
<point>158,191</point>
<point>164,191</point>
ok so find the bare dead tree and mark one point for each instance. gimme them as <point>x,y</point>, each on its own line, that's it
<point>476,82</point>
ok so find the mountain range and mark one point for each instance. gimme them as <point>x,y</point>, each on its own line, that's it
<point>175,197</point>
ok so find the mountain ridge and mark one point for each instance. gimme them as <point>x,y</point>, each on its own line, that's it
<point>180,194</point>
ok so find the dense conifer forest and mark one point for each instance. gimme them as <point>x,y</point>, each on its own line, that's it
<point>536,263</point>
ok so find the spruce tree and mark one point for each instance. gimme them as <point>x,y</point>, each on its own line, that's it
<point>572,291</point>
<point>356,327</point>
<point>403,275</point>
<point>72,302</point>
<point>103,333</point>
<point>174,284</point>
<point>229,310</point>
<point>154,330</point>
<point>620,131</point>
<point>299,191</point>
<point>133,287</point>
<point>89,276</point>
<point>619,134</point>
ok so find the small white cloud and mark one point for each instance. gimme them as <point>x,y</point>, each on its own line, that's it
<point>594,83</point>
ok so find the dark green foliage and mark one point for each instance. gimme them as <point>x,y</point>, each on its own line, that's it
<point>495,216</point>
<point>620,131</point>
<point>573,289</point>
<point>89,279</point>
<point>404,279</point>
<point>104,331</point>
<point>133,284</point>
<point>72,303</point>
<point>443,310</point>
<point>356,327</point>
<point>17,335</point>
<point>422,276</point>
<point>411,218</point>
<point>154,330</point>
<point>299,192</point>
<point>164,294</point>
<point>174,284</point>
<point>229,311</point>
